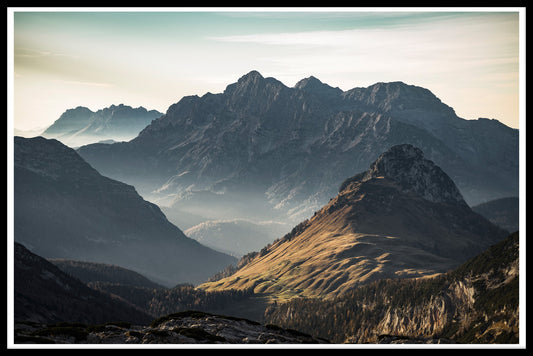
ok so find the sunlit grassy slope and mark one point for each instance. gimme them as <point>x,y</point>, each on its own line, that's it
<point>337,252</point>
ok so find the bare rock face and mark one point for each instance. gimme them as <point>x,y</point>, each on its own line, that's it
<point>406,165</point>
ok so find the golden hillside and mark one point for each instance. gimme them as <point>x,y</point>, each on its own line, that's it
<point>374,228</point>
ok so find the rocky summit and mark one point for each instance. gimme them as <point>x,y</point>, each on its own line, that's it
<point>406,165</point>
<point>401,218</point>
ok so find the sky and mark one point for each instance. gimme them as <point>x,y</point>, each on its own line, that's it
<point>62,58</point>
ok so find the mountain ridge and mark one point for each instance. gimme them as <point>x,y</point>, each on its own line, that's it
<point>289,147</point>
<point>79,126</point>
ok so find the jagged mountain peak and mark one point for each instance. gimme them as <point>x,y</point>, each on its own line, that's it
<point>405,164</point>
<point>251,83</point>
<point>252,75</point>
<point>78,108</point>
<point>312,84</point>
<point>399,97</point>
<point>250,80</point>
<point>397,87</point>
<point>308,82</point>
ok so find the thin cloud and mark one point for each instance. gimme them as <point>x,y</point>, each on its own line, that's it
<point>35,53</point>
<point>77,82</point>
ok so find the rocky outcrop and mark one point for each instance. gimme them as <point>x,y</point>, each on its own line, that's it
<point>181,328</point>
<point>407,166</point>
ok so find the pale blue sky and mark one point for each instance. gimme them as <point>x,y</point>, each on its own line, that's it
<point>152,58</point>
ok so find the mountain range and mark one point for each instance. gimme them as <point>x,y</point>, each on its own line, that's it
<point>64,208</point>
<point>284,150</point>
<point>402,218</point>
<point>236,237</point>
<point>80,126</point>
<point>386,189</point>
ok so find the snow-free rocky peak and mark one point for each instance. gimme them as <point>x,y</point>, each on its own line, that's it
<point>314,85</point>
<point>406,165</point>
<point>251,82</point>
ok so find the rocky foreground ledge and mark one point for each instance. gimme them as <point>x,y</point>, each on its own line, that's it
<point>189,327</point>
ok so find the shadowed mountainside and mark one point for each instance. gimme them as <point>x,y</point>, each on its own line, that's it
<point>65,209</point>
<point>44,293</point>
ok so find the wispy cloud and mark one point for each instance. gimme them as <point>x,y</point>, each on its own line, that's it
<point>84,83</point>
<point>35,53</point>
<point>321,38</point>
<point>449,45</point>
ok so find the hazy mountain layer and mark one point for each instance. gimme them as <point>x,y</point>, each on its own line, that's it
<point>100,272</point>
<point>236,237</point>
<point>65,209</point>
<point>81,126</point>
<point>504,212</point>
<point>403,217</point>
<point>285,150</point>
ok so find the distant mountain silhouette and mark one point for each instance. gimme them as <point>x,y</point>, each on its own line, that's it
<point>403,217</point>
<point>285,150</point>
<point>45,294</point>
<point>504,212</point>
<point>81,126</point>
<point>102,272</point>
<point>236,237</point>
<point>65,209</point>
